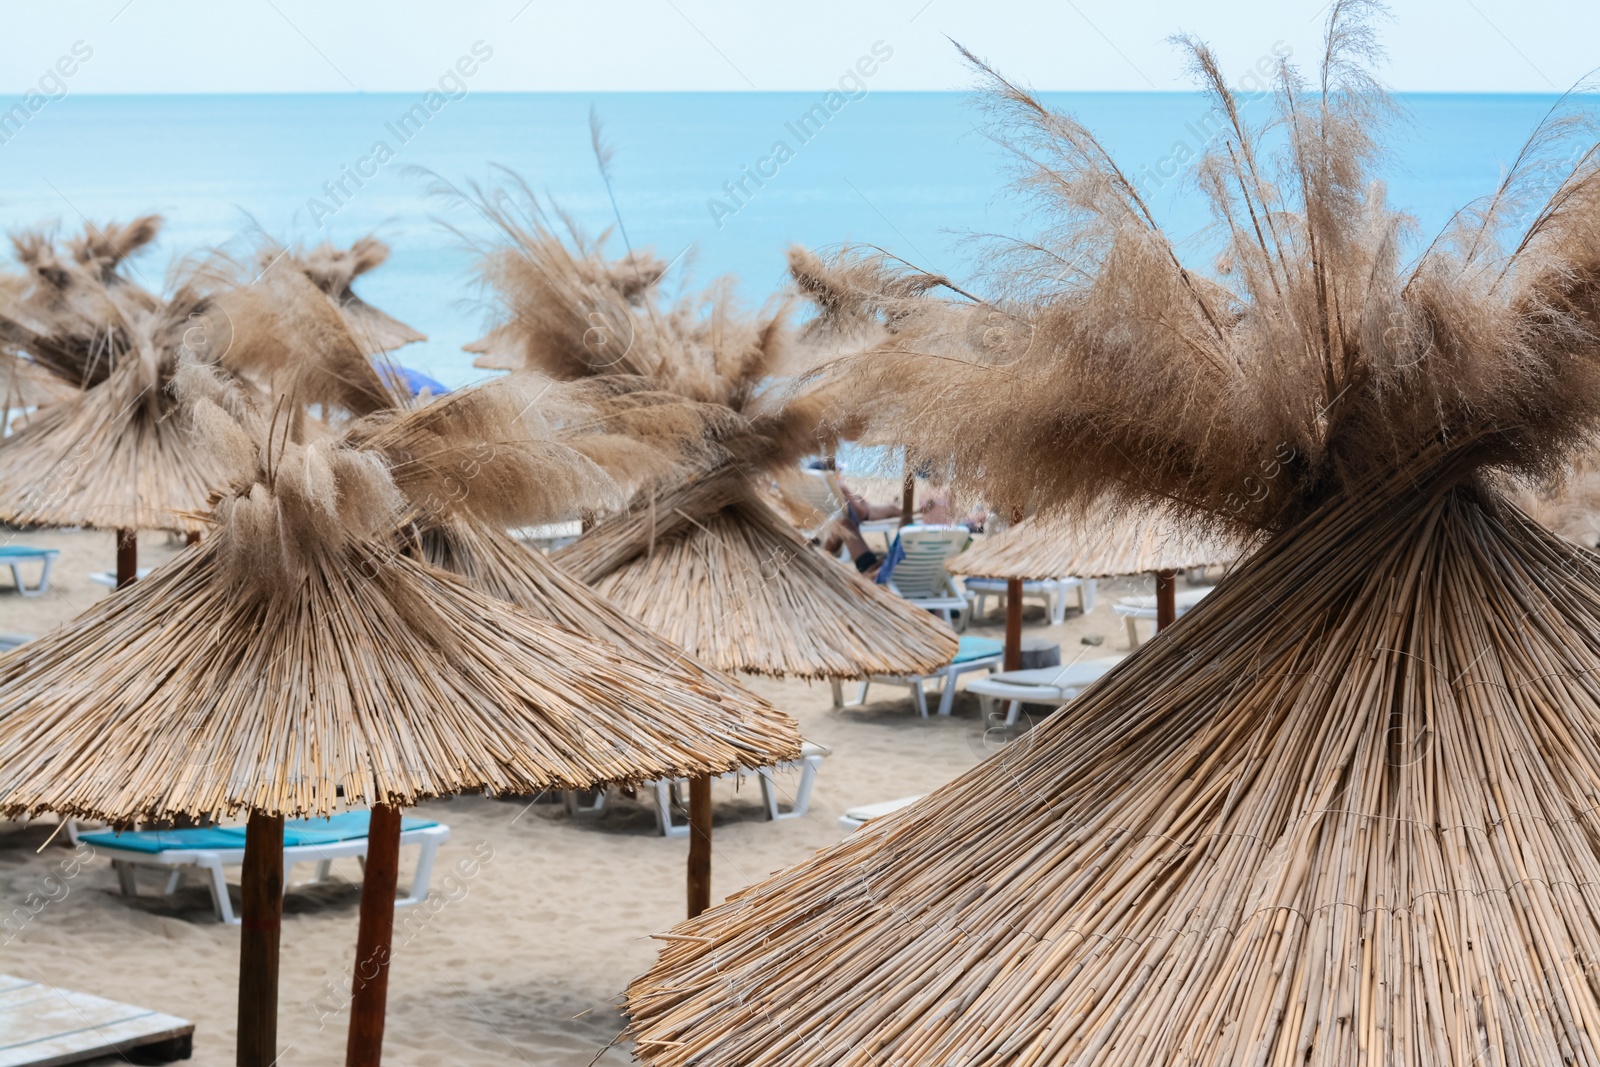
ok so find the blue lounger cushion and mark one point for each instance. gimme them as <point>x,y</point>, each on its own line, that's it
<point>26,552</point>
<point>296,833</point>
<point>977,647</point>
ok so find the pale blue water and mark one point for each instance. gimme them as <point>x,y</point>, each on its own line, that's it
<point>902,170</point>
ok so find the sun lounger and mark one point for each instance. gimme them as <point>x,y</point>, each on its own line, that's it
<point>1053,590</point>
<point>975,654</point>
<point>919,574</point>
<point>821,490</point>
<point>551,535</point>
<point>668,792</point>
<point>1038,685</point>
<point>856,818</point>
<point>1133,608</point>
<point>10,641</point>
<point>212,849</point>
<point>109,578</point>
<point>41,1025</point>
<point>14,556</point>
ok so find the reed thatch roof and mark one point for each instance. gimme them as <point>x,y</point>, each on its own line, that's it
<point>25,384</point>
<point>298,651</point>
<point>334,271</point>
<point>1234,849</point>
<point>714,570</point>
<point>111,449</point>
<point>704,562</point>
<point>1098,546</point>
<point>493,562</point>
<point>1345,813</point>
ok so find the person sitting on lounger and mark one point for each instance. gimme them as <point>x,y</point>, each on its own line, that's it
<point>845,530</point>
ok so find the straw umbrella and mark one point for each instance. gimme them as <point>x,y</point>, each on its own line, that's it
<point>1102,545</point>
<point>705,561</point>
<point>334,271</point>
<point>319,661</point>
<point>1344,814</point>
<point>466,470</point>
<point>111,455</point>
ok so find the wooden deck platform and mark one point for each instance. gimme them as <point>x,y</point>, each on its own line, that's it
<point>42,1026</point>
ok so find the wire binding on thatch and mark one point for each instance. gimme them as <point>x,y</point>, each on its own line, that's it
<point>1344,813</point>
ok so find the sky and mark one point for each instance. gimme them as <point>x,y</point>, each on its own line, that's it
<point>256,46</point>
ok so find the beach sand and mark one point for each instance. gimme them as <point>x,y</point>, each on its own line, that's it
<point>521,960</point>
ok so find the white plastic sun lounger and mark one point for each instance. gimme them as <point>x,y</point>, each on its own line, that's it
<point>109,578</point>
<point>856,818</point>
<point>668,792</point>
<point>1053,590</point>
<point>920,575</point>
<point>1133,608</point>
<point>212,849</point>
<point>1038,685</point>
<point>974,654</point>
<point>14,556</point>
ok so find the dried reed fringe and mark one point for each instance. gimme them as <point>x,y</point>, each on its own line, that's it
<point>334,270</point>
<point>115,453</point>
<point>1099,362</point>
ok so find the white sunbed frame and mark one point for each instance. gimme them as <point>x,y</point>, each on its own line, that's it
<point>667,791</point>
<point>177,862</point>
<point>47,555</point>
<point>1038,685</point>
<point>1053,590</point>
<point>947,689</point>
<point>1131,609</point>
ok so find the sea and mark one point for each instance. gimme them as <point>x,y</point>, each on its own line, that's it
<point>717,183</point>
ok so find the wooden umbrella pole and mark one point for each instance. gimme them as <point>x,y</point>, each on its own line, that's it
<point>192,538</point>
<point>1166,599</point>
<point>374,936</point>
<point>908,498</point>
<point>127,557</point>
<point>261,890</point>
<point>1013,656</point>
<point>699,845</point>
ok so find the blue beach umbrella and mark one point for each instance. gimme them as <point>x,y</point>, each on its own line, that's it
<point>414,381</point>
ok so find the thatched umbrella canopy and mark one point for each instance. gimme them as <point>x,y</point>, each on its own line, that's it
<point>1099,546</point>
<point>334,271</point>
<point>24,384</point>
<point>462,505</point>
<point>1346,812</point>
<point>715,570</point>
<point>113,454</point>
<point>707,563</point>
<point>321,665</point>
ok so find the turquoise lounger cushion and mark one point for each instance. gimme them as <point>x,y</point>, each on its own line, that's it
<point>296,833</point>
<point>25,552</point>
<point>978,647</point>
